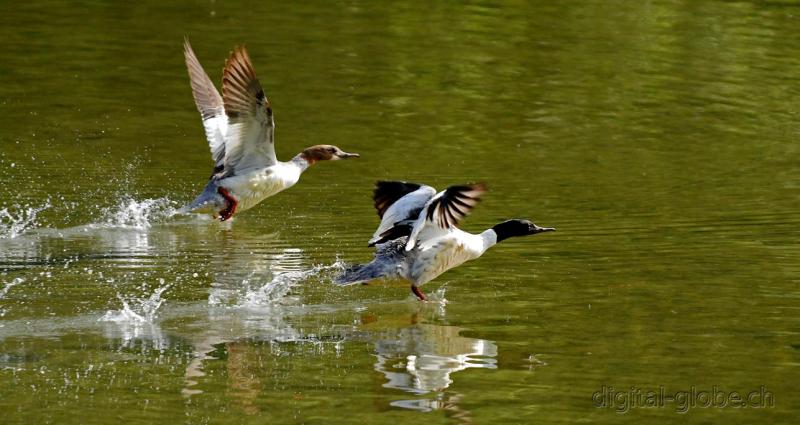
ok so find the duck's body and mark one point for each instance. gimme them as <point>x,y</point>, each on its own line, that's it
<point>240,130</point>
<point>418,240</point>
<point>248,188</point>
<point>253,187</point>
<point>445,252</point>
<point>425,263</point>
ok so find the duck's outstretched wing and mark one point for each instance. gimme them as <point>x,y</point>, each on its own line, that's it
<point>209,104</point>
<point>444,211</point>
<point>249,140</point>
<point>398,204</point>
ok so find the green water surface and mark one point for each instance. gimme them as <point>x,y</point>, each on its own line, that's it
<point>659,137</point>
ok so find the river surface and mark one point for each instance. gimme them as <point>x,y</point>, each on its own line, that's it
<point>659,137</point>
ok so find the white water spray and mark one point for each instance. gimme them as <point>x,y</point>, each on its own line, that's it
<point>281,284</point>
<point>130,212</point>
<point>136,310</point>
<point>7,287</point>
<point>18,219</point>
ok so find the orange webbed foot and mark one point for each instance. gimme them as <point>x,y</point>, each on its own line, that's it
<point>418,293</point>
<point>232,204</point>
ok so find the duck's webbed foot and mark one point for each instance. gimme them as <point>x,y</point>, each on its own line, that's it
<point>232,203</point>
<point>418,293</point>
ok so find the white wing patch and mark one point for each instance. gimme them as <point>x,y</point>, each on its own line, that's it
<point>406,208</point>
<point>209,103</point>
<point>216,128</point>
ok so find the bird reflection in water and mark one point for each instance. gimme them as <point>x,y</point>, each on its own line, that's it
<point>422,358</point>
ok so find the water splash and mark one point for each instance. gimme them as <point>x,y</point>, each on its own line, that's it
<point>277,288</point>
<point>136,320</point>
<point>7,287</point>
<point>282,283</point>
<point>130,212</point>
<point>13,222</point>
<point>437,296</point>
<point>136,310</point>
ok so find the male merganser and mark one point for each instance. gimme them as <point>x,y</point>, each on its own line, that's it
<point>418,240</point>
<point>240,130</point>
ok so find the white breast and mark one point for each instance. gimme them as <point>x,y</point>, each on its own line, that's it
<point>435,257</point>
<point>252,187</point>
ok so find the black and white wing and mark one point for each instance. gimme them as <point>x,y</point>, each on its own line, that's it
<point>444,211</point>
<point>249,142</point>
<point>209,104</point>
<point>398,205</point>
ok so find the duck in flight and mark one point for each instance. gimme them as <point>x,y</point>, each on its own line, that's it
<point>240,129</point>
<point>417,239</point>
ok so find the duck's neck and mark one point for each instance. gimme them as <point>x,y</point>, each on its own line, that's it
<point>489,239</point>
<point>301,162</point>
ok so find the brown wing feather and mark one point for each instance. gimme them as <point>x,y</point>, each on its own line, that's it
<point>249,141</point>
<point>241,90</point>
<point>206,96</point>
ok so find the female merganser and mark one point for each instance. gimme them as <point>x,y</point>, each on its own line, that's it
<point>418,240</point>
<point>240,129</point>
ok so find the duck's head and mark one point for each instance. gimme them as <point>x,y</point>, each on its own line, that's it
<point>518,227</point>
<point>325,153</point>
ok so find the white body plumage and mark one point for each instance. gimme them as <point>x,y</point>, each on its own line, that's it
<point>252,187</point>
<point>432,257</point>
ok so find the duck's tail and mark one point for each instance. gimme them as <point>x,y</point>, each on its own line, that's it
<point>388,259</point>
<point>209,201</point>
<point>359,273</point>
